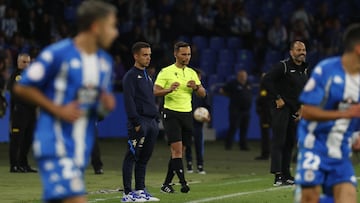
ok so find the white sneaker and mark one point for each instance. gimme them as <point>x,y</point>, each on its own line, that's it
<point>189,171</point>
<point>144,195</point>
<point>132,197</point>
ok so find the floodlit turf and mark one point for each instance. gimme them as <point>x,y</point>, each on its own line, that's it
<point>232,176</point>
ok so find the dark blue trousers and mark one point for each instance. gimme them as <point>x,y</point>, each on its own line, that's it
<point>150,130</point>
<point>198,137</point>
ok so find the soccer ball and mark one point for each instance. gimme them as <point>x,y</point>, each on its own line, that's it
<point>200,114</point>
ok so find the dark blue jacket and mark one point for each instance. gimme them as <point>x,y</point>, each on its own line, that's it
<point>138,96</point>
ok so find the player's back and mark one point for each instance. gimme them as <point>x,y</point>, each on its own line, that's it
<point>329,88</point>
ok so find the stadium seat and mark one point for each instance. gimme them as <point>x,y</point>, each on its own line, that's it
<point>201,42</point>
<point>207,67</point>
<point>312,58</point>
<point>272,57</point>
<point>286,10</point>
<point>226,56</point>
<point>244,56</point>
<point>233,43</point>
<point>241,66</point>
<point>212,80</point>
<point>216,43</point>
<point>184,38</point>
<point>230,78</point>
<point>224,69</point>
<point>208,55</point>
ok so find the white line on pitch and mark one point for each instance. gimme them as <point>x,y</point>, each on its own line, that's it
<point>237,194</point>
<point>239,181</point>
<point>103,199</point>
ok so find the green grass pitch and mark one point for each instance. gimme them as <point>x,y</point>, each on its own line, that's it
<point>232,176</point>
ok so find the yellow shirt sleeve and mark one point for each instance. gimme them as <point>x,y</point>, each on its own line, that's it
<point>161,79</point>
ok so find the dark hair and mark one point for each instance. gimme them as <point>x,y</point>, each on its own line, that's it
<point>90,11</point>
<point>138,46</point>
<point>180,44</point>
<point>292,44</point>
<point>351,37</point>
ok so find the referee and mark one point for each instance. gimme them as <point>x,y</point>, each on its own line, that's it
<point>177,82</point>
<point>284,83</point>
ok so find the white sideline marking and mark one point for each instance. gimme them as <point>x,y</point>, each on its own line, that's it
<point>237,194</point>
<point>239,181</point>
<point>103,199</point>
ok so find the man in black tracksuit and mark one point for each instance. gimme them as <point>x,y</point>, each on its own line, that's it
<point>263,107</point>
<point>22,123</point>
<point>240,94</point>
<point>284,83</point>
<point>198,134</point>
<point>143,128</point>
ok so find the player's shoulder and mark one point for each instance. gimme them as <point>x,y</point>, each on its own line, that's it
<point>57,50</point>
<point>104,54</point>
<point>61,45</point>
<point>328,66</point>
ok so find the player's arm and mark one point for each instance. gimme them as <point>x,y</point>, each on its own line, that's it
<point>160,91</point>
<point>314,113</point>
<point>129,84</point>
<point>69,112</point>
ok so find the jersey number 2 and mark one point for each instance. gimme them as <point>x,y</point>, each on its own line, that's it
<point>311,162</point>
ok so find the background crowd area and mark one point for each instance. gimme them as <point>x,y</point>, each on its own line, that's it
<point>226,35</point>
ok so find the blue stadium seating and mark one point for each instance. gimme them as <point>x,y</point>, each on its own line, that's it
<point>244,56</point>
<point>286,10</point>
<point>233,43</point>
<point>224,69</point>
<point>184,38</point>
<point>201,42</point>
<point>242,66</point>
<point>207,67</point>
<point>208,55</point>
<point>272,57</point>
<point>216,43</point>
<point>226,56</point>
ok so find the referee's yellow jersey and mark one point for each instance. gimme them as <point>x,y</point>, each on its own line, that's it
<point>180,99</point>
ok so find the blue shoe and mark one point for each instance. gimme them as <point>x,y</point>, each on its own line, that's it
<point>132,197</point>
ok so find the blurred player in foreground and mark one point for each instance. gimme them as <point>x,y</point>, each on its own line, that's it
<point>70,82</point>
<point>330,118</point>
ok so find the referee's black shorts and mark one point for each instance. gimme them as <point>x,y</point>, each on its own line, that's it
<point>178,126</point>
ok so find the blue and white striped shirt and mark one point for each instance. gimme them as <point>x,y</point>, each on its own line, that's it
<point>329,88</point>
<point>65,74</point>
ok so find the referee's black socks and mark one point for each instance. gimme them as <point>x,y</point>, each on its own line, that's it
<point>178,167</point>
<point>170,173</point>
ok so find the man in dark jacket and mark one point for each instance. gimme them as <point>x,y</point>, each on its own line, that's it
<point>240,94</point>
<point>22,121</point>
<point>198,135</point>
<point>143,128</point>
<point>263,111</point>
<point>284,83</point>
